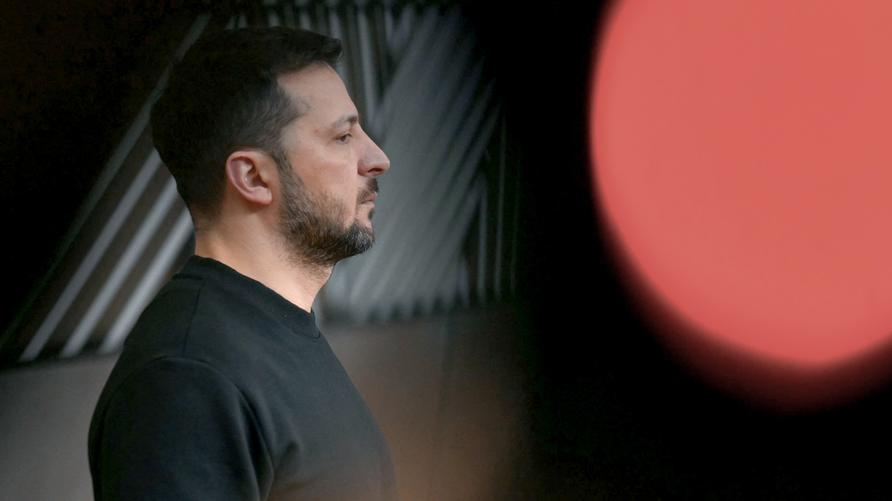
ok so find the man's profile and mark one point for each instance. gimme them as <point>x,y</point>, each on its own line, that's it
<point>225,388</point>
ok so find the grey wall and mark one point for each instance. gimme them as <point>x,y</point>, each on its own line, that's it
<point>44,417</point>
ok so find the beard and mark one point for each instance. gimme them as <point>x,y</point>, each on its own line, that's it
<point>313,230</point>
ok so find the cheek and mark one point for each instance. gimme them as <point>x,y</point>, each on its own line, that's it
<point>324,176</point>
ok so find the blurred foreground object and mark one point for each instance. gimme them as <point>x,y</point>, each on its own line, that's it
<point>741,165</point>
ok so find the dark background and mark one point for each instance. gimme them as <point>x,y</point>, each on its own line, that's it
<point>613,416</point>
<point>74,74</point>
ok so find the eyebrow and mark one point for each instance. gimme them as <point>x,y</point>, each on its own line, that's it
<point>351,118</point>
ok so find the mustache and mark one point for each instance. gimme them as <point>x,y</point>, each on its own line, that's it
<point>370,189</point>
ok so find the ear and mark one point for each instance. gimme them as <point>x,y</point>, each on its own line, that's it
<point>249,174</point>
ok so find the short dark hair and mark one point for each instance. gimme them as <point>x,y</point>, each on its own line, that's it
<point>224,95</point>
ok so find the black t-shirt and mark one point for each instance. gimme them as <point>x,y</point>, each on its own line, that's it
<point>227,391</point>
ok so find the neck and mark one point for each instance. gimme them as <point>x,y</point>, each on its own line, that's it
<point>262,259</point>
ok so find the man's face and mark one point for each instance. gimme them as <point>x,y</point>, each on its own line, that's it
<point>328,184</point>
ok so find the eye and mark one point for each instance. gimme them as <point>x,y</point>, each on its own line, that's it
<point>344,138</point>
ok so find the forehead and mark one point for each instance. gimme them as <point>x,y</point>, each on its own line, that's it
<point>319,93</point>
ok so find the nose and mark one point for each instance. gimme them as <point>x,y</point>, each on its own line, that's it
<point>374,161</point>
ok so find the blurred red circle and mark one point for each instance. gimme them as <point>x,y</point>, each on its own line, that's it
<point>742,164</point>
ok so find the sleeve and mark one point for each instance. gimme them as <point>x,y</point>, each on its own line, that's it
<point>179,430</point>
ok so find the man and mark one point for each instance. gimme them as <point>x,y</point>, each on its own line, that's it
<point>225,389</point>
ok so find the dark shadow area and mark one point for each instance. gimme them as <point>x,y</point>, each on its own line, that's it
<point>614,416</point>
<point>75,74</point>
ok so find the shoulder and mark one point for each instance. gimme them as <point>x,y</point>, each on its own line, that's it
<point>196,324</point>
<point>175,401</point>
<point>185,422</point>
<point>170,389</point>
<point>195,318</point>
